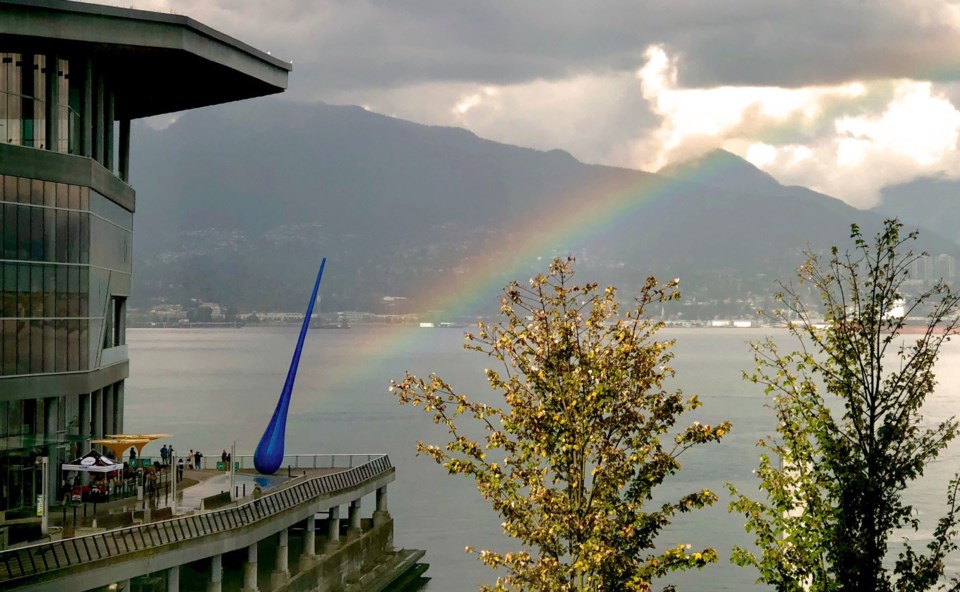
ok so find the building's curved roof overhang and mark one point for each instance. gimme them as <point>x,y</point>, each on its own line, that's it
<point>157,63</point>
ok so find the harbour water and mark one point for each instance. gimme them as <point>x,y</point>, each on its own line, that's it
<point>212,387</point>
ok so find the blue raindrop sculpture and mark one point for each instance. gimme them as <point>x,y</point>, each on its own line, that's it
<point>268,456</point>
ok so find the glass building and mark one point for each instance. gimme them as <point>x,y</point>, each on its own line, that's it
<point>72,78</point>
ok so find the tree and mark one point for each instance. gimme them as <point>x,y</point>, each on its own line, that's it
<point>850,435</point>
<point>586,432</point>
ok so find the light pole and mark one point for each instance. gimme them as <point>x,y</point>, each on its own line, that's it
<point>233,453</point>
<point>173,470</point>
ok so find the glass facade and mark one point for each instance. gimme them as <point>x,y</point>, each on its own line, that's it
<point>65,264</point>
<point>64,249</point>
<point>27,427</point>
<point>60,248</point>
<point>24,79</point>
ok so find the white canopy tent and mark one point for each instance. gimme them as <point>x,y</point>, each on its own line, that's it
<point>93,462</point>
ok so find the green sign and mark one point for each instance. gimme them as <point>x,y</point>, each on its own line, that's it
<point>221,466</point>
<point>146,462</point>
<point>236,466</point>
<point>134,463</point>
<point>40,505</point>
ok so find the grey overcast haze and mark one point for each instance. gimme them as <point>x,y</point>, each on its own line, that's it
<point>844,97</point>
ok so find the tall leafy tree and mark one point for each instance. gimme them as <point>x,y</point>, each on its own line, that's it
<point>585,433</point>
<point>850,435</point>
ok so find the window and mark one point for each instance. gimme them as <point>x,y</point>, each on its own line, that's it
<point>115,332</point>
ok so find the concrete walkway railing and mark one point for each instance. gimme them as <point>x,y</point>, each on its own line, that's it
<point>33,560</point>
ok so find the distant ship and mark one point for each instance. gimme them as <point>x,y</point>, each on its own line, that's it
<point>442,325</point>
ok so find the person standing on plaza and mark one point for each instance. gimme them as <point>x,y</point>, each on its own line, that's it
<point>190,460</point>
<point>164,455</point>
<point>223,458</point>
<point>196,459</point>
<point>133,454</point>
<point>180,470</point>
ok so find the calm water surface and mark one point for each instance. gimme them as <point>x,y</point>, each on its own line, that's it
<point>212,387</point>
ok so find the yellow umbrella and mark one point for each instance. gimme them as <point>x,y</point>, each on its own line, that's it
<point>120,445</point>
<point>138,436</point>
<point>144,438</point>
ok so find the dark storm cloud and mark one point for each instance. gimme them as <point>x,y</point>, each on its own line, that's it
<point>363,44</point>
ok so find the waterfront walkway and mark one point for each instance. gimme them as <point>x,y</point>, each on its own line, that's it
<point>119,555</point>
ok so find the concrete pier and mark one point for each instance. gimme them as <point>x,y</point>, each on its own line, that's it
<point>201,547</point>
<point>333,530</point>
<point>354,518</point>
<point>250,570</point>
<point>309,542</point>
<point>173,579</point>
<point>381,514</point>
<point>281,573</point>
<point>216,574</point>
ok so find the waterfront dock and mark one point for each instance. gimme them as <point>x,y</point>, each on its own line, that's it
<point>293,537</point>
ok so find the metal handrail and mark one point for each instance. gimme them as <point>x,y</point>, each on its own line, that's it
<point>296,461</point>
<point>68,145</point>
<point>32,560</point>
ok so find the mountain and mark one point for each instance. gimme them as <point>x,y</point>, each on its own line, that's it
<point>237,204</point>
<point>722,169</point>
<point>930,203</point>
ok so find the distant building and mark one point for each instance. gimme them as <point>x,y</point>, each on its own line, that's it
<point>216,312</point>
<point>394,305</point>
<point>72,78</point>
<point>169,312</point>
<point>946,267</point>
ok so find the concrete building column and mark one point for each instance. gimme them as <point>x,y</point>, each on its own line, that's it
<point>51,410</point>
<point>216,574</point>
<point>52,103</point>
<point>250,570</point>
<point>108,117</point>
<point>99,109</point>
<point>97,413</point>
<point>354,515</point>
<point>27,109</point>
<point>281,573</point>
<point>381,515</point>
<point>84,419</point>
<point>124,151</point>
<point>333,529</point>
<point>86,107</point>
<point>118,408</point>
<point>51,415</point>
<point>108,412</point>
<point>173,579</point>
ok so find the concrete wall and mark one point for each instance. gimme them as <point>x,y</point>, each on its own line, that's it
<point>348,564</point>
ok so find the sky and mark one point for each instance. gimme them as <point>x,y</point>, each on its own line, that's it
<point>845,97</point>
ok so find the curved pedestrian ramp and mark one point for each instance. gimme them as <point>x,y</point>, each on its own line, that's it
<point>202,541</point>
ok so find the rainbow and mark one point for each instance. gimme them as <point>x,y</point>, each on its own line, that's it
<point>575,218</point>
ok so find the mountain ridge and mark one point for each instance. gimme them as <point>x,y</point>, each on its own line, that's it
<point>233,202</point>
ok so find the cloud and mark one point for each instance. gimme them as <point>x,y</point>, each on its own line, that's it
<point>596,117</point>
<point>915,135</point>
<point>376,44</point>
<point>845,98</point>
<point>849,140</point>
